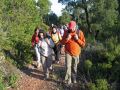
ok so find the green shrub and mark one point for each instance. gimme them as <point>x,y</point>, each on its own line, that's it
<point>2,86</point>
<point>102,84</point>
<point>12,80</point>
<point>87,64</point>
<point>91,86</point>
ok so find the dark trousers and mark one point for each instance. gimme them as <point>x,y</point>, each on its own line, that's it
<point>57,52</point>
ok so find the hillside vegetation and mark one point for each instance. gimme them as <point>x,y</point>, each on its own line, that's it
<point>99,19</point>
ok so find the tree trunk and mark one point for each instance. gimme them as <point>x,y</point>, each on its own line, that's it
<point>87,15</point>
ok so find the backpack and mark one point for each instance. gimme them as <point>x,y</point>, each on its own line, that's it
<point>51,44</point>
<point>58,36</point>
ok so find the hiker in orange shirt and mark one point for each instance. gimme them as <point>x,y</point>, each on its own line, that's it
<point>73,40</point>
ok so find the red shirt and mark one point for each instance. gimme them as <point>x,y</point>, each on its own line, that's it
<point>35,39</point>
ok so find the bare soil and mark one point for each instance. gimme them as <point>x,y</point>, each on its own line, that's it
<point>33,78</point>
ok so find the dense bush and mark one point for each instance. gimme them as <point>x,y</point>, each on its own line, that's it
<point>102,61</point>
<point>100,66</point>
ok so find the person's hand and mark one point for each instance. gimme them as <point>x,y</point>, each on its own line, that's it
<point>76,37</point>
<point>68,37</point>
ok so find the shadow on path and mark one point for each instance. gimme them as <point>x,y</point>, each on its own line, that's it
<point>33,72</point>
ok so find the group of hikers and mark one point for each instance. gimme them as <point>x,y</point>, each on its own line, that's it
<point>45,43</point>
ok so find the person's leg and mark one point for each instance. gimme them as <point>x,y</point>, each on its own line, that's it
<point>74,68</point>
<point>49,62</point>
<point>44,65</point>
<point>37,56</point>
<point>55,52</point>
<point>62,50</point>
<point>68,61</point>
<point>48,65</point>
<point>58,57</point>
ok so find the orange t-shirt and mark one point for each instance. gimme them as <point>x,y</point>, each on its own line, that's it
<point>72,46</point>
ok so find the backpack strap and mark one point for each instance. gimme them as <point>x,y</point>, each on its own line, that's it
<point>58,35</point>
<point>78,32</point>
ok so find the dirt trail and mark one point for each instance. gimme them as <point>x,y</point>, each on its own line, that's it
<point>33,79</point>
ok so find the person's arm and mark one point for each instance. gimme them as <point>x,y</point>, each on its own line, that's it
<point>33,40</point>
<point>66,38</point>
<point>50,42</point>
<point>60,37</point>
<point>81,39</point>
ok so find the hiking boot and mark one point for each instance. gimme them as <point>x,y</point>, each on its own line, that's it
<point>46,77</point>
<point>39,65</point>
<point>51,69</point>
<point>74,78</point>
<point>74,81</point>
<point>57,62</point>
<point>69,82</point>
